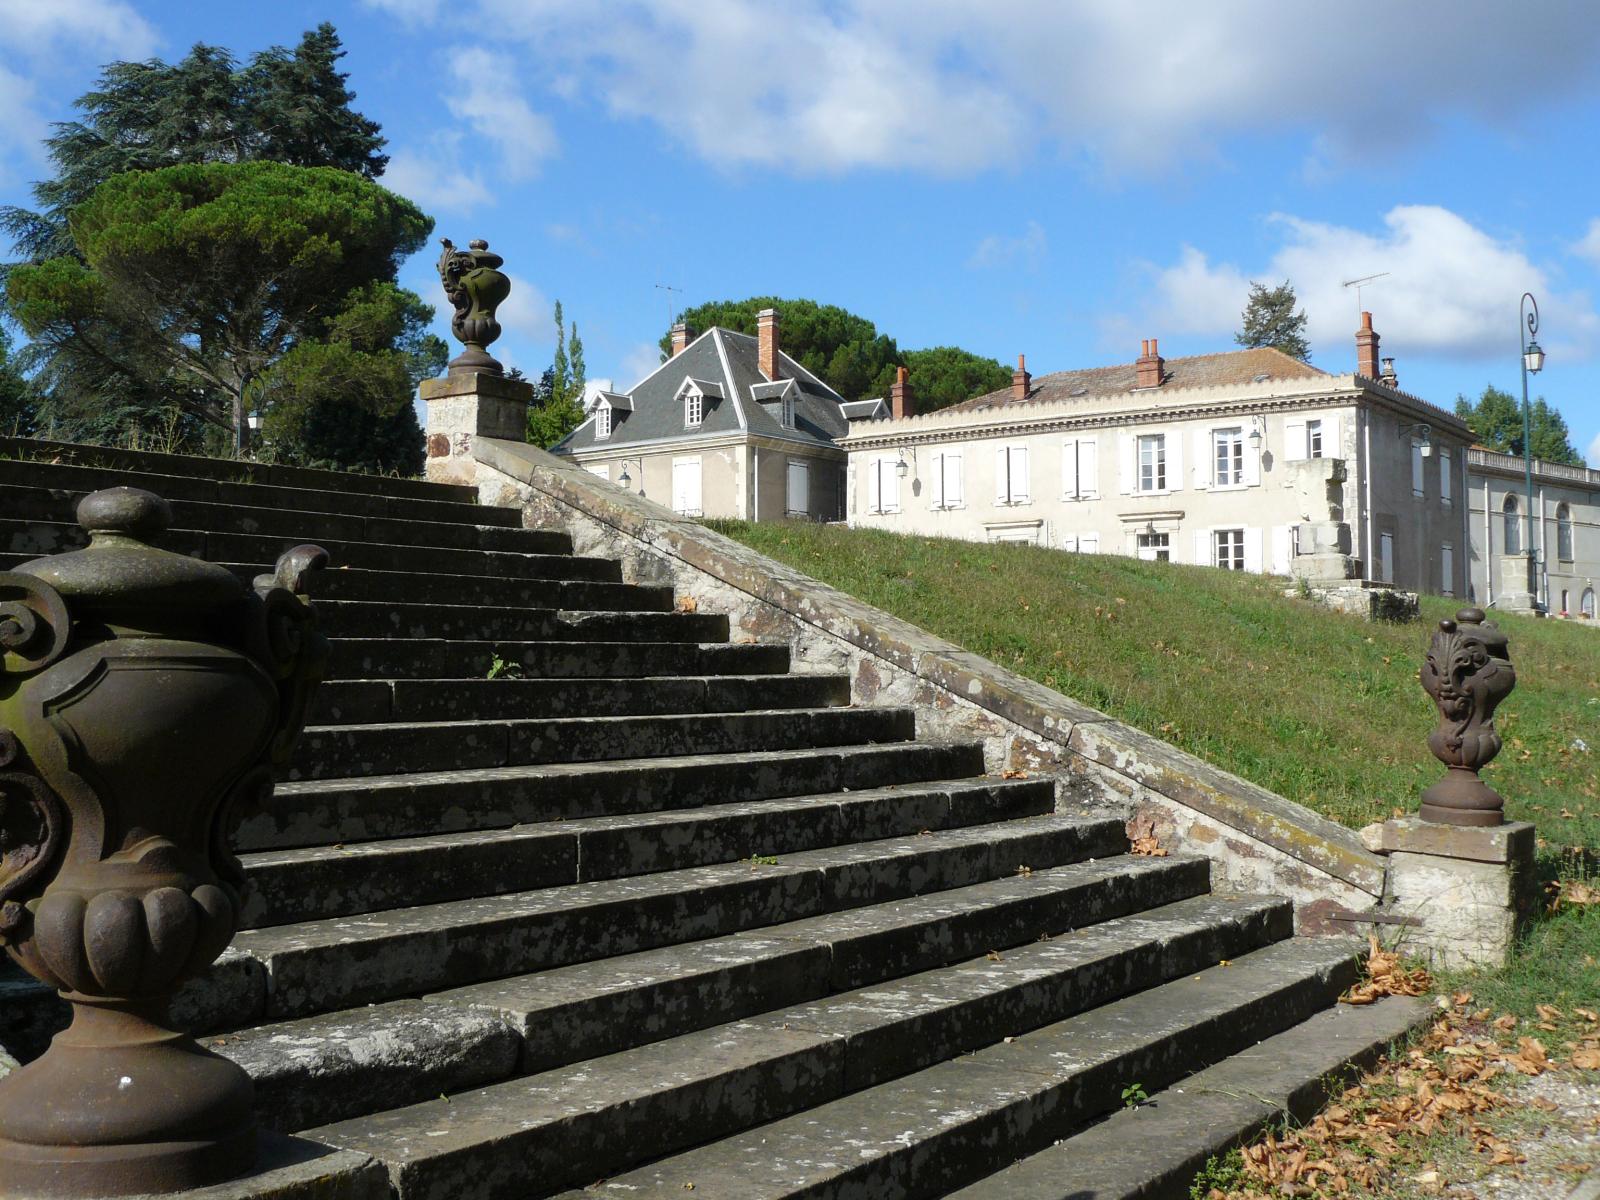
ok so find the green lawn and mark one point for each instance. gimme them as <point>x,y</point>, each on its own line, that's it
<point>1320,707</point>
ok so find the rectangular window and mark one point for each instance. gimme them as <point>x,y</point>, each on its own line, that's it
<point>1011,475</point>
<point>797,493</point>
<point>1080,469</point>
<point>686,487</point>
<point>602,422</point>
<point>1386,558</point>
<point>1228,549</point>
<point>947,480</point>
<point>1314,439</point>
<point>1418,486</point>
<point>1227,454</point>
<point>1155,547</point>
<point>1153,462</point>
<point>1447,569</point>
<point>693,409</point>
<point>883,486</point>
<point>1446,484</point>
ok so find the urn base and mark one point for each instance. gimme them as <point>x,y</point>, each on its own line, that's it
<point>1461,798</point>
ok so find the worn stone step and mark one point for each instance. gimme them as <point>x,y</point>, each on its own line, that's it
<point>886,1030</point>
<point>320,966</point>
<point>912,1138</point>
<point>414,587</point>
<point>170,486</point>
<point>341,751</point>
<point>313,883</point>
<point>111,458</point>
<point>60,505</point>
<point>430,658</point>
<point>590,1009</point>
<point>486,623</point>
<point>54,537</point>
<point>371,701</point>
<point>327,811</point>
<point>1153,1152</point>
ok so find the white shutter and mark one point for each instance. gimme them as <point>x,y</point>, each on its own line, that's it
<point>1332,445</point>
<point>1252,463</point>
<point>1252,550</point>
<point>874,487</point>
<point>1204,554</point>
<point>890,485</point>
<point>1088,467</point>
<point>1070,486</point>
<point>798,493</point>
<point>1282,548</point>
<point>686,486</point>
<point>1130,464</point>
<point>938,500</point>
<point>603,470</point>
<point>1174,444</point>
<point>952,480</point>
<point>1089,543</point>
<point>1021,493</point>
<point>1204,453</point>
<point>1002,492</point>
<point>1069,543</point>
<point>1294,440</point>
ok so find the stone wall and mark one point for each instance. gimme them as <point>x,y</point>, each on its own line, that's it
<point>1257,840</point>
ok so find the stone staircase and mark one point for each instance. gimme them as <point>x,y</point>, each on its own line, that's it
<point>565,890</point>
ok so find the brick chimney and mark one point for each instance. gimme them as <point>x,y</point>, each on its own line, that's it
<point>767,355</point>
<point>1149,365</point>
<point>1020,379</point>
<point>901,402</point>
<point>1367,349</point>
<point>680,338</point>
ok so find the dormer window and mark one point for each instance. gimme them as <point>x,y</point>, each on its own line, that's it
<point>788,411</point>
<point>602,422</point>
<point>693,409</point>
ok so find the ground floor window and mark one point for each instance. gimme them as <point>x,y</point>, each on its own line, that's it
<point>1228,549</point>
<point>1157,547</point>
<point>686,487</point>
<point>1588,602</point>
<point>797,494</point>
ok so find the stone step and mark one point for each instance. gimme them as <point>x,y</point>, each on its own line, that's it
<point>383,619</point>
<point>331,811</point>
<point>314,883</point>
<point>431,658</point>
<point>60,505</point>
<point>1157,1149</point>
<point>54,537</point>
<point>322,966</point>
<point>419,587</point>
<point>912,1138</point>
<point>345,751</point>
<point>370,701</point>
<point>318,499</point>
<point>886,1030</point>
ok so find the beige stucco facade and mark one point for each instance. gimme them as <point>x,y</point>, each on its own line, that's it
<point>1216,476</point>
<point>1565,530</point>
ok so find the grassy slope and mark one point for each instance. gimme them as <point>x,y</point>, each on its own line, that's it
<point>1320,707</point>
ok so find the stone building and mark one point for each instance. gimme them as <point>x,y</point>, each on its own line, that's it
<point>1249,459</point>
<point>729,426</point>
<point>1565,532</point>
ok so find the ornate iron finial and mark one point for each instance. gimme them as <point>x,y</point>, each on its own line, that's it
<point>144,697</point>
<point>1467,673</point>
<point>475,287</point>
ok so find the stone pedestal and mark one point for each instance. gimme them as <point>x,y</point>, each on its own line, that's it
<point>1518,584</point>
<point>1322,553</point>
<point>1472,889</point>
<point>463,406</point>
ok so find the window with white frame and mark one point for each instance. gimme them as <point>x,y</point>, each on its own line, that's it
<point>797,490</point>
<point>1564,532</point>
<point>1152,462</point>
<point>1447,569</point>
<point>947,481</point>
<point>1419,486</point>
<point>1511,512</point>
<point>693,408</point>
<point>1227,549</point>
<point>1011,475</point>
<point>1080,469</point>
<point>1447,488</point>
<point>1227,457</point>
<point>1314,438</point>
<point>602,422</point>
<point>788,411</point>
<point>686,499</point>
<point>1156,547</point>
<point>883,485</point>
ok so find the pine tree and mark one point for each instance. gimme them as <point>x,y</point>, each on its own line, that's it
<point>557,407</point>
<point>1270,320</point>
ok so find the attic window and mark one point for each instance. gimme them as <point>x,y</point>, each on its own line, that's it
<point>1083,391</point>
<point>602,422</point>
<point>693,409</point>
<point>1261,378</point>
<point>788,412</point>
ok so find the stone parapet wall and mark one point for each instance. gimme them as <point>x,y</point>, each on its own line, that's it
<point>1257,840</point>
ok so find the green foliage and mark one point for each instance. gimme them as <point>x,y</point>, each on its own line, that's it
<point>331,405</point>
<point>1269,319</point>
<point>1134,1095</point>
<point>1225,1174</point>
<point>846,351</point>
<point>1496,420</point>
<point>557,406</point>
<point>18,412</point>
<point>194,280</point>
<point>946,375</point>
<point>503,668</point>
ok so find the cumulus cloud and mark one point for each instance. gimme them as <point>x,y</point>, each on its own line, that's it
<point>410,12</point>
<point>433,176</point>
<point>950,86</point>
<point>482,96</point>
<point>1451,288</point>
<point>1026,250</point>
<point>527,313</point>
<point>1588,246</point>
<point>637,363</point>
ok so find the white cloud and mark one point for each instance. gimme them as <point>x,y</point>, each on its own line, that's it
<point>1588,246</point>
<point>412,13</point>
<point>23,129</point>
<point>952,86</point>
<point>1451,288</point>
<point>527,313</point>
<point>103,26</point>
<point>434,178</point>
<point>637,363</point>
<point>1026,250</point>
<point>1594,451</point>
<point>484,96</point>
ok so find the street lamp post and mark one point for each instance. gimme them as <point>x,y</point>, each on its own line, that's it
<point>1532,364</point>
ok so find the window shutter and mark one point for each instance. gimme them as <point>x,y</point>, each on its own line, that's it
<point>1070,487</point>
<point>1088,467</point>
<point>1294,440</point>
<point>1252,463</point>
<point>1282,548</point>
<point>939,500</point>
<point>1447,570</point>
<point>952,480</point>
<point>1204,452</point>
<point>1204,552</point>
<point>1252,550</point>
<point>1089,543</point>
<point>1446,478</point>
<point>798,493</point>
<point>1020,491</point>
<point>1002,493</point>
<point>1129,449</point>
<point>891,485</point>
<point>1332,445</point>
<point>1069,543</point>
<point>1174,444</point>
<point>874,486</point>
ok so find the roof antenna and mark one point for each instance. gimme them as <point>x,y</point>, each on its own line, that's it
<point>669,289</point>
<point>1358,284</point>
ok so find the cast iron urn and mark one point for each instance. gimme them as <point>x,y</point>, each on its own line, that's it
<point>145,697</point>
<point>1467,673</point>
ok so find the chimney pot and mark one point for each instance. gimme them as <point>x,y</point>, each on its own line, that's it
<point>680,338</point>
<point>767,349</point>
<point>1020,379</point>
<point>1149,369</point>
<point>1367,349</point>
<point>901,402</point>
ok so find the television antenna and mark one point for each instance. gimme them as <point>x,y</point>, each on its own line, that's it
<point>1359,283</point>
<point>669,289</point>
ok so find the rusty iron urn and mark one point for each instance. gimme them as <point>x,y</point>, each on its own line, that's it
<point>1468,673</point>
<point>145,697</point>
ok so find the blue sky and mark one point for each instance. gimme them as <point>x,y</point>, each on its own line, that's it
<point>1057,179</point>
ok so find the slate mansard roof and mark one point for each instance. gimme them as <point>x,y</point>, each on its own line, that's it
<point>738,399</point>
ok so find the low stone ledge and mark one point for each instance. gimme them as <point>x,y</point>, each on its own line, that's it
<point>1255,838</point>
